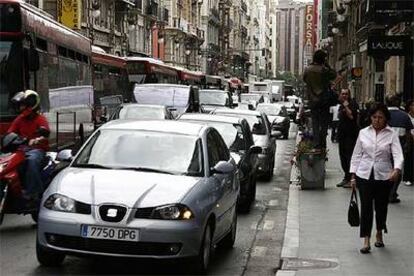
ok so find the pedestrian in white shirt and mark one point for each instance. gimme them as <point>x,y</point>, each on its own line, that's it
<point>376,164</point>
<point>334,125</point>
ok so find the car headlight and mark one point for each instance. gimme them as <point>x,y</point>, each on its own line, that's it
<point>173,212</point>
<point>61,203</point>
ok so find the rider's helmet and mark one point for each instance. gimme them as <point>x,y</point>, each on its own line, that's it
<point>28,98</point>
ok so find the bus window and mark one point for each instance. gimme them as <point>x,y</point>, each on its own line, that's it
<point>11,75</point>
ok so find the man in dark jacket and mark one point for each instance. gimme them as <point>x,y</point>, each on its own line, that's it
<point>347,133</point>
<point>401,123</point>
<point>317,77</point>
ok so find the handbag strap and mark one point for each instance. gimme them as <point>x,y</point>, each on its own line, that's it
<point>354,196</point>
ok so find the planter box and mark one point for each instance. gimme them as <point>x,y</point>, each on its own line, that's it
<point>312,170</point>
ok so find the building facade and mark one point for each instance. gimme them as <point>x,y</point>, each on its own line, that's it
<point>290,25</point>
<point>371,45</point>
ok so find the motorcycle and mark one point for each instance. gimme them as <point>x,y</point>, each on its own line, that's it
<point>12,159</point>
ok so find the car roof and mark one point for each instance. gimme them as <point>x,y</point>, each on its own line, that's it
<point>253,94</point>
<point>239,111</point>
<point>213,90</point>
<point>211,118</point>
<point>143,105</point>
<point>162,85</point>
<point>165,126</point>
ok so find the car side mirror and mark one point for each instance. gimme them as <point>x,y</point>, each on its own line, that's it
<point>255,150</point>
<point>223,167</point>
<point>275,134</point>
<point>64,156</point>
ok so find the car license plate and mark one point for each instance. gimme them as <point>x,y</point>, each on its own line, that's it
<point>109,233</point>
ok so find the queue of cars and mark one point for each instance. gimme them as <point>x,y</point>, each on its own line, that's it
<point>160,179</point>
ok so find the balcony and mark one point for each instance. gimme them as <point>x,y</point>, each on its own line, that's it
<point>152,8</point>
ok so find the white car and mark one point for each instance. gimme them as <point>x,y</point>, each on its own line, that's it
<point>153,189</point>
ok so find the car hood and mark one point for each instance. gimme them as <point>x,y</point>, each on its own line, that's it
<point>132,188</point>
<point>260,140</point>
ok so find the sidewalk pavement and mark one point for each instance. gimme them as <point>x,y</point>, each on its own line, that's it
<point>319,241</point>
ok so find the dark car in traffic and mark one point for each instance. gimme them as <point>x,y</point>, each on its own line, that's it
<point>238,138</point>
<point>262,136</point>
<point>278,117</point>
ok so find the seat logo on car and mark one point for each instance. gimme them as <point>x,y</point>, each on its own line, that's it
<point>112,213</point>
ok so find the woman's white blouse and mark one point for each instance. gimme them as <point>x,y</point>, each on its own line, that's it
<point>376,151</point>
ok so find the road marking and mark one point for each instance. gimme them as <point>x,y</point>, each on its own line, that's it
<point>268,225</point>
<point>273,202</point>
<point>277,190</point>
<point>259,251</point>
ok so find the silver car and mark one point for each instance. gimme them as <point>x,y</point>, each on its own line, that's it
<point>153,189</point>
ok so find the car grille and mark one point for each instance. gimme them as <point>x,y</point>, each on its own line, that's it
<point>114,247</point>
<point>144,212</point>
<point>105,211</point>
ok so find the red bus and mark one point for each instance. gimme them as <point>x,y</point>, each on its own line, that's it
<point>188,77</point>
<point>110,82</point>
<point>149,70</point>
<point>40,54</point>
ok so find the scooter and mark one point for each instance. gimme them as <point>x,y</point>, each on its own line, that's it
<point>12,158</point>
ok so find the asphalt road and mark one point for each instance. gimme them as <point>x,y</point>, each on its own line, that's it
<point>256,251</point>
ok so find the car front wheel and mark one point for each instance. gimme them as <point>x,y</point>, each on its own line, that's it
<point>48,257</point>
<point>203,258</point>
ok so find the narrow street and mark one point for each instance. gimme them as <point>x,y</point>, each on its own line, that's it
<point>256,251</point>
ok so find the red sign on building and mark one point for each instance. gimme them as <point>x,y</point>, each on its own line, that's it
<point>309,26</point>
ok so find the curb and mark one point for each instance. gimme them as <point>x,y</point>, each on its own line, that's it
<point>290,248</point>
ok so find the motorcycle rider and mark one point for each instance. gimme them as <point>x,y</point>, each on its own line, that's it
<point>33,126</point>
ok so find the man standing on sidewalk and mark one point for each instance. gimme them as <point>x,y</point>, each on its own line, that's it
<point>318,76</point>
<point>347,133</point>
<point>401,123</point>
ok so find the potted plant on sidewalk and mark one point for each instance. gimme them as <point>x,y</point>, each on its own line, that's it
<point>310,162</point>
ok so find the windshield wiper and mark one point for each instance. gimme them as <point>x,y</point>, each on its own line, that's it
<point>94,166</point>
<point>143,169</point>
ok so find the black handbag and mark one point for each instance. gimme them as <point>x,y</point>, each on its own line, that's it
<point>353,211</point>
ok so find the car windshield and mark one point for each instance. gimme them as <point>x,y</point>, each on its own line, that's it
<point>269,109</point>
<point>142,150</point>
<point>213,98</point>
<point>141,113</point>
<point>232,134</point>
<point>256,123</point>
<point>162,95</point>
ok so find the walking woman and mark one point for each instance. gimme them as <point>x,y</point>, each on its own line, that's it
<point>376,163</point>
